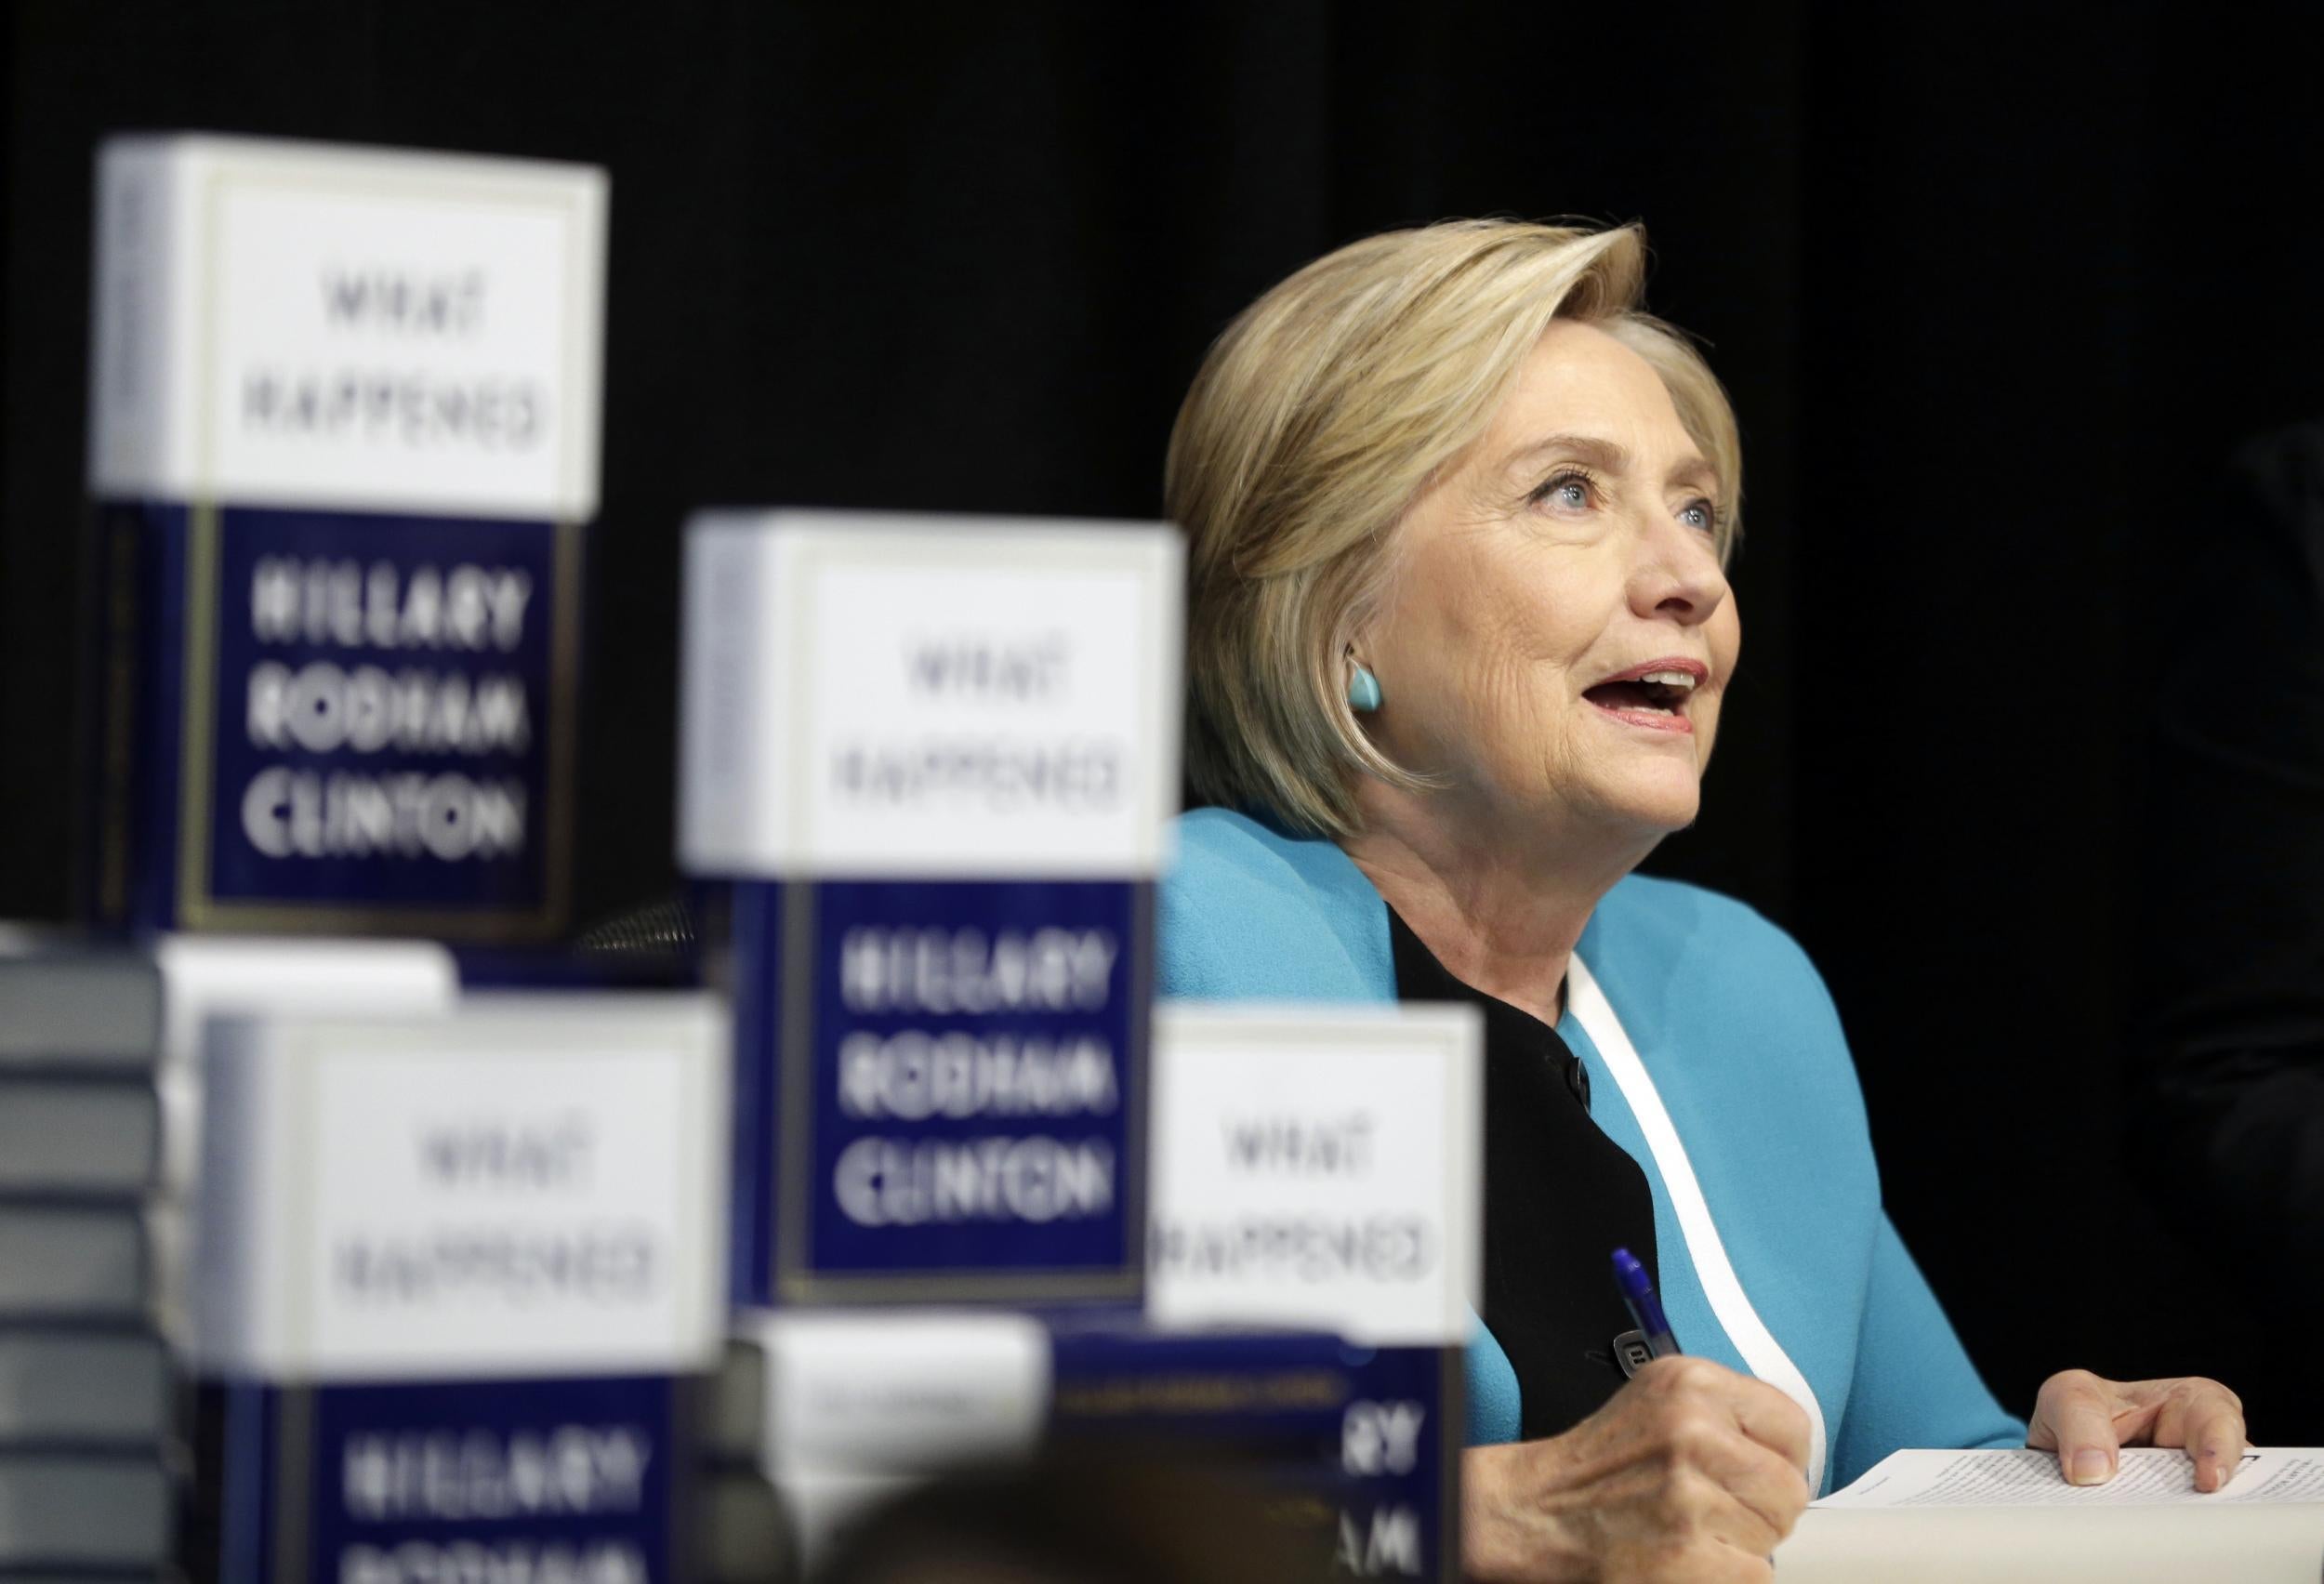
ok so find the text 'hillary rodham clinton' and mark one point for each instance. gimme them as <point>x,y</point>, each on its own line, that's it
<point>388,700</point>
<point>1042,1170</point>
<point>523,1495</point>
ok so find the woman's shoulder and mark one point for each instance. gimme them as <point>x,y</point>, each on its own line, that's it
<point>1649,907</point>
<point>1247,911</point>
<point>1696,956</point>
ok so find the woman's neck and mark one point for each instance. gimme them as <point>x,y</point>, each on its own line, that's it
<point>1501,913</point>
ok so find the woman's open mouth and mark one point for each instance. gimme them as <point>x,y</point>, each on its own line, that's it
<point>1652,695</point>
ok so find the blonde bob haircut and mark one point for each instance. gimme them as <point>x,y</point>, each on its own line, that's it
<point>1317,417</point>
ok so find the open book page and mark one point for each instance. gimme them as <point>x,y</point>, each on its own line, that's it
<point>2026,1478</point>
<point>1948,1517</point>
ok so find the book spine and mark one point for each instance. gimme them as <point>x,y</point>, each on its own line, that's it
<point>85,1385</point>
<point>135,744</point>
<point>755,954</point>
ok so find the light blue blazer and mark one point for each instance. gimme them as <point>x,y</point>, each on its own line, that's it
<point>1742,1043</point>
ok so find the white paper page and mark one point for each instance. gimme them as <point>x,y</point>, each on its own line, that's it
<point>2025,1478</point>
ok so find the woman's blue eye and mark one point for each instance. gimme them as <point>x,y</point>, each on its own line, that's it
<point>1700,515</point>
<point>1568,489</point>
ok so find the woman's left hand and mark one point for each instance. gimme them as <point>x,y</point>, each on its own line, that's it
<point>2086,1420</point>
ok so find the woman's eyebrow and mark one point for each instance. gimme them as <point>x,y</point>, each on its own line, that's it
<point>1608,456</point>
<point>1694,470</point>
<point>1611,457</point>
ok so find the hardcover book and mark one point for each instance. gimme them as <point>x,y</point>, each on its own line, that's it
<point>83,1385</point>
<point>71,1510</point>
<point>933,759</point>
<point>68,1007</point>
<point>456,1277</point>
<point>1923,1516</point>
<point>66,1258</point>
<point>1354,1446</point>
<point>79,1134</point>
<point>343,438</point>
<point>1316,1167</point>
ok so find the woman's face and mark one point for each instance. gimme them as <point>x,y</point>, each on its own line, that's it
<point>1558,632</point>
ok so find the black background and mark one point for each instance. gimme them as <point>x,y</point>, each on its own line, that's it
<point>1992,305</point>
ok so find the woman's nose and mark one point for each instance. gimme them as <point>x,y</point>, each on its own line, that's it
<point>1677,576</point>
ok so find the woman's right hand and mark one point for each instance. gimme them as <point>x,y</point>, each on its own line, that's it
<point>1689,1472</point>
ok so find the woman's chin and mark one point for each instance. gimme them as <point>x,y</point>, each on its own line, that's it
<point>1658,804</point>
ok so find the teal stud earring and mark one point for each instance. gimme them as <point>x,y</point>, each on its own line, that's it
<point>1363,691</point>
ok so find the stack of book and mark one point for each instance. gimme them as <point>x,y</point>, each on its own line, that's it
<point>344,411</point>
<point>933,1181</point>
<point>90,1446</point>
<point>930,762</point>
<point>100,1135</point>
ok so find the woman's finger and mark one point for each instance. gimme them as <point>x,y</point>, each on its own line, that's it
<point>2074,1416</point>
<point>1774,1421</point>
<point>2193,1412</point>
<point>2217,1442</point>
<point>1710,1512</point>
<point>1762,1482</point>
<point>2206,1418</point>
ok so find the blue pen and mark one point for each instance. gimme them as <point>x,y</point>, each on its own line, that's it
<point>1638,1294</point>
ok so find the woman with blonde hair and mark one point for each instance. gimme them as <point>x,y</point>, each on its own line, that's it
<point>1461,514</point>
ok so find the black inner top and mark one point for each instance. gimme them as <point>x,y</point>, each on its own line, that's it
<point>1560,1196</point>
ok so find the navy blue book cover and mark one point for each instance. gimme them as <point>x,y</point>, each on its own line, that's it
<point>398,1482</point>
<point>1367,1440</point>
<point>339,720</point>
<point>939,1089</point>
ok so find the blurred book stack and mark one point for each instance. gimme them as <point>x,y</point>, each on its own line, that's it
<point>343,444</point>
<point>929,762</point>
<point>594,1279</point>
<point>91,1448</point>
<point>100,1121</point>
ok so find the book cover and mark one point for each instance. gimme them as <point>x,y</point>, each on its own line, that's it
<point>457,1276</point>
<point>343,438</point>
<point>584,1477</point>
<point>933,760</point>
